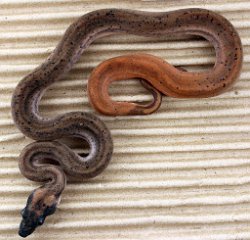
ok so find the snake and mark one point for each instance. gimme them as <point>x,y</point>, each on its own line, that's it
<point>53,163</point>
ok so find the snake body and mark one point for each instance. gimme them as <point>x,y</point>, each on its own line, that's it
<point>36,159</point>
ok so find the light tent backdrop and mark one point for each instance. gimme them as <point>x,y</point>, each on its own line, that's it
<point>180,173</point>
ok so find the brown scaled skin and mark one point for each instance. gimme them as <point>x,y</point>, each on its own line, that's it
<point>77,38</point>
<point>164,77</point>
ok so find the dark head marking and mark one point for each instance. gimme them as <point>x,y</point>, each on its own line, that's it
<point>39,205</point>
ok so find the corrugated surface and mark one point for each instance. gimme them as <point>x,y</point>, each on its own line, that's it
<point>181,173</point>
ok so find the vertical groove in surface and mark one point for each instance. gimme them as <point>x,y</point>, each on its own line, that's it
<point>181,173</point>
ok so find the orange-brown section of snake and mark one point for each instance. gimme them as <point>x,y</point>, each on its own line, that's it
<point>165,78</point>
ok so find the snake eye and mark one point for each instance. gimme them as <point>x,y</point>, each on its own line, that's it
<point>22,212</point>
<point>40,220</point>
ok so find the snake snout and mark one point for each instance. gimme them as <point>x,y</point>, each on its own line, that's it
<point>31,220</point>
<point>27,226</point>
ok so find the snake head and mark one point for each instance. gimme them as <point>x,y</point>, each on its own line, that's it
<point>40,204</point>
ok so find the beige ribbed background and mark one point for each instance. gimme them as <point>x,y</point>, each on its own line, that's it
<point>180,173</point>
